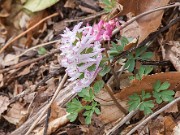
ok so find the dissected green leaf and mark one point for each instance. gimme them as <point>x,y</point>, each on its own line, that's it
<point>146,55</point>
<point>72,116</point>
<point>146,106</point>
<point>164,86</point>
<point>98,86</point>
<point>157,85</point>
<point>38,5</point>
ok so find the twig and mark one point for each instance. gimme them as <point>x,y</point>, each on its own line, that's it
<point>144,14</point>
<point>25,32</point>
<point>35,47</point>
<point>157,63</point>
<point>121,108</point>
<point>27,62</point>
<point>151,38</point>
<point>48,105</point>
<point>40,83</point>
<point>153,115</point>
<point>124,120</point>
<point>85,18</point>
<point>116,78</point>
<point>47,121</point>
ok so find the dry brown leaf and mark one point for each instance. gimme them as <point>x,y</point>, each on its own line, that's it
<point>172,109</point>
<point>1,80</point>
<point>176,130</point>
<point>147,83</point>
<point>70,4</point>
<point>145,25</point>
<point>172,53</point>
<point>87,10</point>
<point>17,114</point>
<point>157,129</point>
<point>9,60</point>
<point>54,125</point>
<point>169,124</point>
<point>56,111</point>
<point>109,111</point>
<point>4,102</point>
<point>35,19</point>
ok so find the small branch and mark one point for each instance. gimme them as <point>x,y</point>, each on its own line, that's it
<point>114,73</point>
<point>35,47</point>
<point>122,122</point>
<point>151,38</point>
<point>157,63</point>
<point>47,121</point>
<point>144,14</point>
<point>121,108</point>
<point>153,115</point>
<point>25,32</point>
<point>48,105</point>
<point>85,18</point>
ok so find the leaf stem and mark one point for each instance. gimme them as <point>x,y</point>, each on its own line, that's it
<point>115,100</point>
<point>113,72</point>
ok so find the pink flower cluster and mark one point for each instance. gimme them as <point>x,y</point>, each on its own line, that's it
<point>82,52</point>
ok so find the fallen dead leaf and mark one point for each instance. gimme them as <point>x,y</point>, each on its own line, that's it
<point>169,124</point>
<point>70,4</point>
<point>87,10</point>
<point>147,83</point>
<point>4,102</point>
<point>1,80</point>
<point>56,111</point>
<point>172,53</point>
<point>157,129</point>
<point>109,111</point>
<point>176,129</point>
<point>172,109</point>
<point>54,125</point>
<point>146,24</point>
<point>17,114</point>
<point>9,60</point>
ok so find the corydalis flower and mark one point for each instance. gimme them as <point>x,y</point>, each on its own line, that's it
<point>81,52</point>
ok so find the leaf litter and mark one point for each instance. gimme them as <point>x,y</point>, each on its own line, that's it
<point>31,86</point>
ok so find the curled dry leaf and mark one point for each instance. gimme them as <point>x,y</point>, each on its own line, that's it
<point>4,102</point>
<point>147,84</point>
<point>145,25</point>
<point>172,53</point>
<point>17,114</point>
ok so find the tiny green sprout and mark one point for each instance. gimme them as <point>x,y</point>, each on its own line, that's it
<point>162,93</point>
<point>42,51</point>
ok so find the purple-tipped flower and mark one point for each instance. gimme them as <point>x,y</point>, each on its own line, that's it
<point>81,52</point>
